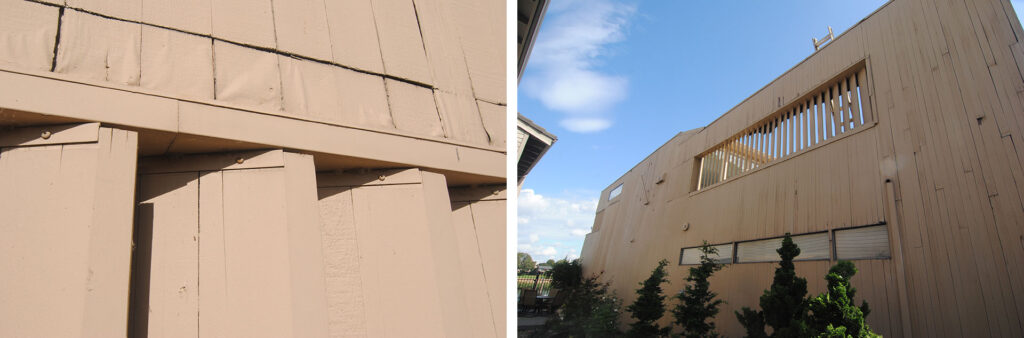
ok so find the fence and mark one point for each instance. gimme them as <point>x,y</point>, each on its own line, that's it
<point>538,282</point>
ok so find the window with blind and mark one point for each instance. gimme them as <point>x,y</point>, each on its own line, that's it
<point>812,247</point>
<point>691,256</point>
<point>863,243</point>
<point>833,109</point>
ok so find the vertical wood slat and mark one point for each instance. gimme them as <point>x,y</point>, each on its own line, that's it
<point>856,112</point>
<point>778,136</point>
<point>799,141</point>
<point>865,106</point>
<point>837,108</point>
<point>830,113</point>
<point>819,110</point>
<point>851,114</point>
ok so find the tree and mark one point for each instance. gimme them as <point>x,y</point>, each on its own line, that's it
<point>526,263</point>
<point>589,311</point>
<point>832,314</point>
<point>783,306</point>
<point>697,304</point>
<point>566,275</point>
<point>649,305</point>
<point>551,262</point>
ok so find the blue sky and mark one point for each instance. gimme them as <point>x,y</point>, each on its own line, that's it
<point>616,80</point>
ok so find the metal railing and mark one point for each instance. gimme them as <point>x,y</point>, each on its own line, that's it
<point>539,282</point>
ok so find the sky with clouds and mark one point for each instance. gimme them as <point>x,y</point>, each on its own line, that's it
<point>614,80</point>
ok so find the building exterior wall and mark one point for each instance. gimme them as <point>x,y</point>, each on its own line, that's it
<point>937,164</point>
<point>252,168</point>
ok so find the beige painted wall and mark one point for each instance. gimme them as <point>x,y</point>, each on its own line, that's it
<point>943,82</point>
<point>314,75</point>
<point>254,125</point>
<point>66,202</point>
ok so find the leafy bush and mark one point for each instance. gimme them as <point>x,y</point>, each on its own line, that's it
<point>833,313</point>
<point>589,311</point>
<point>697,304</point>
<point>566,275</point>
<point>649,305</point>
<point>783,305</point>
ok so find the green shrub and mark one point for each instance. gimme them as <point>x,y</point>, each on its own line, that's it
<point>566,274</point>
<point>649,305</point>
<point>832,314</point>
<point>589,311</point>
<point>783,306</point>
<point>697,304</point>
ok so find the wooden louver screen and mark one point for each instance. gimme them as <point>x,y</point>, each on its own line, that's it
<point>834,109</point>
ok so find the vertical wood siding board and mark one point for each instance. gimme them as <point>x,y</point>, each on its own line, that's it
<point>882,288</point>
<point>212,259</point>
<point>911,220</point>
<point>442,237</point>
<point>887,273</point>
<point>309,294</point>
<point>922,319</point>
<point>111,234</point>
<point>946,323</point>
<point>980,262</point>
<point>172,280</point>
<point>1015,25</point>
<point>968,59</point>
<point>983,33</point>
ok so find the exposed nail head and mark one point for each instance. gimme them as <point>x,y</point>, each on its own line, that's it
<point>239,160</point>
<point>381,177</point>
<point>46,135</point>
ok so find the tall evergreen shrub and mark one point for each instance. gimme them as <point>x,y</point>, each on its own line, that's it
<point>783,306</point>
<point>649,305</point>
<point>697,304</point>
<point>832,314</point>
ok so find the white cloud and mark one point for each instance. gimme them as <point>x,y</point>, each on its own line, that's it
<point>565,74</point>
<point>586,125</point>
<point>556,226</point>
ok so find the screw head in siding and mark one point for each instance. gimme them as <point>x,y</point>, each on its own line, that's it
<point>46,135</point>
<point>239,160</point>
<point>686,226</point>
<point>381,178</point>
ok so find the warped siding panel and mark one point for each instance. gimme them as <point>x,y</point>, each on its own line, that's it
<point>75,195</point>
<point>208,263</point>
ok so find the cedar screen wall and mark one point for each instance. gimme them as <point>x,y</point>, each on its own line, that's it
<point>820,117</point>
<point>942,83</point>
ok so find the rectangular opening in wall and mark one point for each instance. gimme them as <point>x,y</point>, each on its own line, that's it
<point>615,192</point>
<point>834,108</point>
<point>863,243</point>
<point>812,247</point>
<point>691,256</point>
